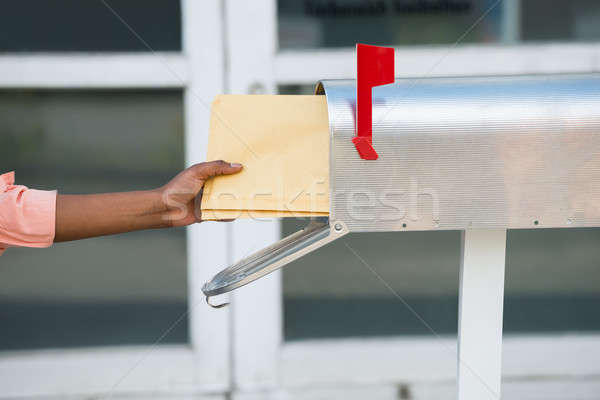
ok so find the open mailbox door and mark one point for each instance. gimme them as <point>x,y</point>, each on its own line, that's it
<point>316,234</point>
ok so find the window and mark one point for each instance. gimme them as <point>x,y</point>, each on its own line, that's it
<point>576,20</point>
<point>552,284</point>
<point>90,25</point>
<point>330,293</point>
<point>342,23</point>
<point>124,289</point>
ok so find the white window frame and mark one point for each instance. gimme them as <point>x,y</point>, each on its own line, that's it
<point>231,46</point>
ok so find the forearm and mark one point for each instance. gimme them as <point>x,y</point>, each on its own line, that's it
<point>83,216</point>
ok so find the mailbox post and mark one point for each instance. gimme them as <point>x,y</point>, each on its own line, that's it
<point>480,155</point>
<point>481,296</point>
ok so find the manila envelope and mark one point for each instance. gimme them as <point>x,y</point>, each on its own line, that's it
<point>283,143</point>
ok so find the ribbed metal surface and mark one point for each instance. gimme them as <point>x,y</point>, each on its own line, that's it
<point>506,152</point>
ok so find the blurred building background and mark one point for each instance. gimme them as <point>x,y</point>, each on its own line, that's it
<point>109,95</point>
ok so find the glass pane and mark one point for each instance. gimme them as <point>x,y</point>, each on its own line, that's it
<point>331,293</point>
<point>113,290</point>
<point>574,20</point>
<point>89,25</point>
<point>552,280</point>
<point>342,23</point>
<point>552,284</point>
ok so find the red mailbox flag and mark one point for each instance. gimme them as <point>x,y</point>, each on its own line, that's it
<point>374,67</point>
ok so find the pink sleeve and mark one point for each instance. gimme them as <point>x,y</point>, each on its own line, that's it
<point>27,216</point>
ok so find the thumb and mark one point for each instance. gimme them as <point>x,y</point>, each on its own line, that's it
<point>214,168</point>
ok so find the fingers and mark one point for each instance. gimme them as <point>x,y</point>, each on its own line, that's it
<point>214,168</point>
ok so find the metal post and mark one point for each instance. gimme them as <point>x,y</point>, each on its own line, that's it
<point>480,314</point>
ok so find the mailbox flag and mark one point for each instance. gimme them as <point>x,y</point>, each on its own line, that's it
<point>374,67</point>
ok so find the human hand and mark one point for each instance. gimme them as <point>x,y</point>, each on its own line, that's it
<point>182,196</point>
<point>175,204</point>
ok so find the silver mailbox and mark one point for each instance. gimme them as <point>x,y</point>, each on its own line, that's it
<point>454,153</point>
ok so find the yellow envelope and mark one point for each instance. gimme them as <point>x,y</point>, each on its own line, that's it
<point>283,143</point>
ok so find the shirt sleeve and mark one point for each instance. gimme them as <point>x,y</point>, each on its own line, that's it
<point>27,216</point>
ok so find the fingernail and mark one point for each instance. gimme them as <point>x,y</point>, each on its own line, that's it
<point>235,165</point>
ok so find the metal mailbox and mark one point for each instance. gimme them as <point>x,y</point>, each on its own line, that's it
<point>454,153</point>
